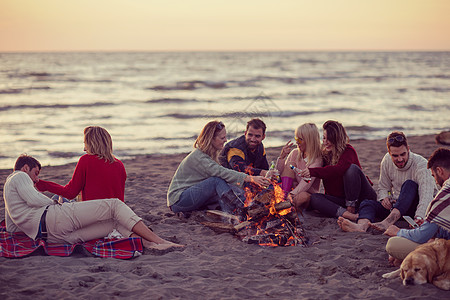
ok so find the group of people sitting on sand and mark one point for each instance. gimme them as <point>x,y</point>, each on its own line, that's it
<point>216,174</point>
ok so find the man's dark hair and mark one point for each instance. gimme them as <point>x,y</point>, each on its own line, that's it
<point>439,158</point>
<point>396,139</point>
<point>257,124</point>
<point>26,160</point>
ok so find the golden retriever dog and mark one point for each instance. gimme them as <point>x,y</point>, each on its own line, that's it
<point>429,262</point>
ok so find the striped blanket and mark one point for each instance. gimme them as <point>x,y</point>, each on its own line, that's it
<point>439,209</point>
<point>18,244</point>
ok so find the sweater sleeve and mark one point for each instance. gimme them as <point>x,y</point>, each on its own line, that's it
<point>213,169</point>
<point>426,190</point>
<point>304,186</point>
<point>384,183</point>
<point>348,157</point>
<point>28,193</point>
<point>70,190</point>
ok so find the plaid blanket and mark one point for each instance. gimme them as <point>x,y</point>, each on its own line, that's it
<point>18,244</point>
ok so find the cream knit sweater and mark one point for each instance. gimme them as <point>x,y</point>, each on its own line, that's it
<point>392,178</point>
<point>24,204</point>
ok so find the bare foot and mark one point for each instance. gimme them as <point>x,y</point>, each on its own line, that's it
<point>161,246</point>
<point>351,216</point>
<point>349,226</point>
<point>380,226</point>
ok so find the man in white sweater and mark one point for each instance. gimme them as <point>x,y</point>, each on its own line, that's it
<point>406,187</point>
<point>39,217</point>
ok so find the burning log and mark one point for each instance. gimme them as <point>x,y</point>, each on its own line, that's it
<point>266,239</point>
<point>271,220</point>
<point>262,211</point>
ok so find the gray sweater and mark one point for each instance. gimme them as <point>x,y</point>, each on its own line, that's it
<point>195,168</point>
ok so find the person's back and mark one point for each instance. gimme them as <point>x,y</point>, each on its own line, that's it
<point>98,174</point>
<point>95,178</point>
<point>104,179</point>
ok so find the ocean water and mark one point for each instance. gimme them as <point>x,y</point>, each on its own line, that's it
<point>158,102</point>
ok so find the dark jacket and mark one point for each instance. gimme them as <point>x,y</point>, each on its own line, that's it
<point>236,156</point>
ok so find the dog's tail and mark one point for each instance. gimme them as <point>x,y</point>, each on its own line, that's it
<point>392,274</point>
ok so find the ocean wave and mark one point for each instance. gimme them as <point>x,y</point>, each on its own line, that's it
<point>60,154</point>
<point>21,90</point>
<point>440,76</point>
<point>435,89</point>
<point>56,106</point>
<point>165,138</point>
<point>416,107</point>
<point>190,85</point>
<point>171,100</point>
<point>35,75</point>
<point>362,128</point>
<point>54,77</point>
<point>334,92</point>
<point>254,113</point>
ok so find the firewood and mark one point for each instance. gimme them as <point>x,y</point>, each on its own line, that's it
<point>282,205</point>
<point>260,212</point>
<point>242,225</point>
<point>219,227</point>
<point>264,197</point>
<point>221,214</point>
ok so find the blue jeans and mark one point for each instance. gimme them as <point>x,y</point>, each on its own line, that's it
<point>357,188</point>
<point>196,197</point>
<point>406,203</point>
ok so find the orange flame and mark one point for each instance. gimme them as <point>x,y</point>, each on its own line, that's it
<point>260,227</point>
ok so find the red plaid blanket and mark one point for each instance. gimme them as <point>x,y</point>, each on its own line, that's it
<point>18,244</point>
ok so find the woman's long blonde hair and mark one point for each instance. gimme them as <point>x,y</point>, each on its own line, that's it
<point>337,136</point>
<point>311,136</point>
<point>98,142</point>
<point>204,140</point>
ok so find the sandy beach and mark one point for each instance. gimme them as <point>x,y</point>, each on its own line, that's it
<point>212,265</point>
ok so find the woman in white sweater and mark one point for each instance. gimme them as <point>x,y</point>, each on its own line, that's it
<point>308,154</point>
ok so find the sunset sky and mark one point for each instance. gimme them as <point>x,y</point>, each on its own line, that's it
<point>174,25</point>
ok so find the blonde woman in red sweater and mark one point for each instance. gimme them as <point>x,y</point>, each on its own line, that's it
<point>98,174</point>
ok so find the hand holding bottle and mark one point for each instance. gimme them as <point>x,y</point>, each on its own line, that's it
<point>302,173</point>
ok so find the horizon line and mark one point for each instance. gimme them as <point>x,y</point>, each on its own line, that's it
<point>216,50</point>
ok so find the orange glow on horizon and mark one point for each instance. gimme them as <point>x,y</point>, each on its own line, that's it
<point>155,25</point>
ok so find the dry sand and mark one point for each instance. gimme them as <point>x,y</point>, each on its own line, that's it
<point>212,265</point>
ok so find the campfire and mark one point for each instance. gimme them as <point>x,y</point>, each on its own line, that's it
<point>271,220</point>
